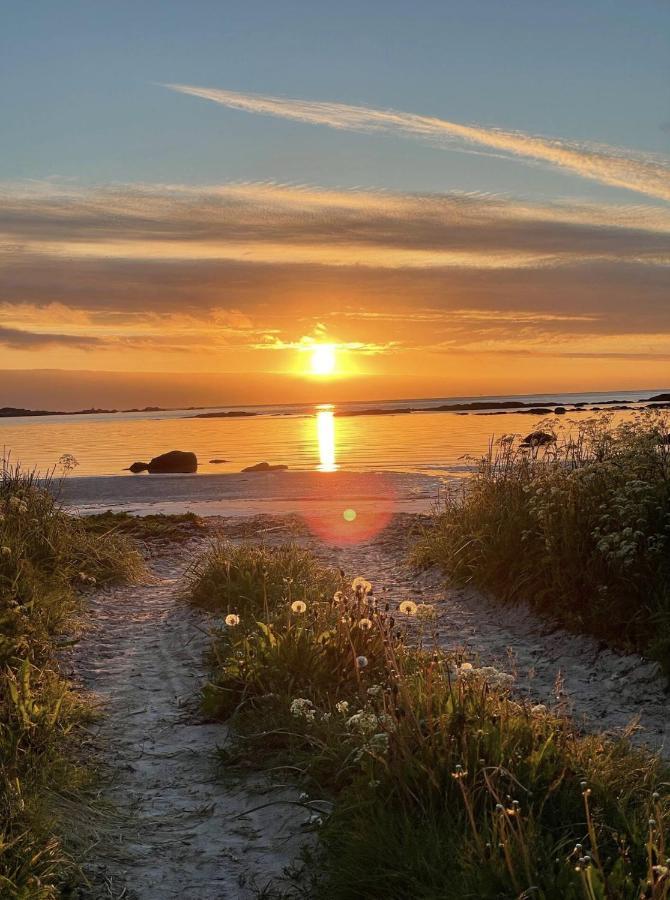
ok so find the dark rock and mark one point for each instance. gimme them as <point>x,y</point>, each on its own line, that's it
<point>232,414</point>
<point>173,462</point>
<point>560,411</point>
<point>538,411</point>
<point>538,439</point>
<point>264,467</point>
<point>217,462</point>
<point>138,467</point>
<point>374,411</point>
<point>663,397</point>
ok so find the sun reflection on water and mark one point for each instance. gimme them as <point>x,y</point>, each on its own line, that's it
<point>325,432</point>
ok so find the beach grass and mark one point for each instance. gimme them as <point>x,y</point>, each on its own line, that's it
<point>174,527</point>
<point>423,775</point>
<point>48,559</point>
<point>580,529</point>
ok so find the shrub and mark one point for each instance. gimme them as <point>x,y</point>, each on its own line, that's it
<point>46,559</point>
<point>581,530</point>
<point>426,778</point>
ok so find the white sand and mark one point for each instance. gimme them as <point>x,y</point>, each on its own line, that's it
<point>181,826</point>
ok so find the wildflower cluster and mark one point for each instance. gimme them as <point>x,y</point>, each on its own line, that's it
<point>581,530</point>
<point>421,750</point>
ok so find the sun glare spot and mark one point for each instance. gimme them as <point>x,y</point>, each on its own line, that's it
<point>323,359</point>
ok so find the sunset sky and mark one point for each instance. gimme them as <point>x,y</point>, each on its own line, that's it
<point>456,197</point>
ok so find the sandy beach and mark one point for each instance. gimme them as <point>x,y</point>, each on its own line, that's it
<point>143,659</point>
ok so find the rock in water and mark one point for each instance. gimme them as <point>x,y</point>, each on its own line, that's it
<point>174,461</point>
<point>138,467</point>
<point>538,439</point>
<point>264,467</point>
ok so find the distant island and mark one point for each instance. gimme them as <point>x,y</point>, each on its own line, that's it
<point>484,407</point>
<point>7,412</point>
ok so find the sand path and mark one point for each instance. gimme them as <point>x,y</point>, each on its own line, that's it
<point>602,689</point>
<point>179,828</point>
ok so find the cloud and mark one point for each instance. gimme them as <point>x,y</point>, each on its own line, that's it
<point>645,173</point>
<point>19,339</point>
<point>269,223</point>
<point>237,269</point>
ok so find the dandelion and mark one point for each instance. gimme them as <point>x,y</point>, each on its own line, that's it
<point>365,624</point>
<point>6,551</point>
<point>458,772</point>
<point>337,596</point>
<point>407,608</point>
<point>361,585</point>
<point>232,620</point>
<point>361,661</point>
<point>342,706</point>
<point>298,606</point>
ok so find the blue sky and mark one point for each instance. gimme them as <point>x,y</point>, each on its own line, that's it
<point>80,95</point>
<point>472,194</point>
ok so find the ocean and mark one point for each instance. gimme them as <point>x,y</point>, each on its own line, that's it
<point>324,438</point>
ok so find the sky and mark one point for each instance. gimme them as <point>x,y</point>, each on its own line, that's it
<point>459,197</point>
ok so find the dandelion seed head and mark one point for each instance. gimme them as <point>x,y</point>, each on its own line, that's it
<point>232,620</point>
<point>298,606</point>
<point>407,608</point>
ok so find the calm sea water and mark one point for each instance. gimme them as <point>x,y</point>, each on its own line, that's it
<point>304,438</point>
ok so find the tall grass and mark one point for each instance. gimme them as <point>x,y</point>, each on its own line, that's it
<point>423,776</point>
<point>580,530</point>
<point>46,559</point>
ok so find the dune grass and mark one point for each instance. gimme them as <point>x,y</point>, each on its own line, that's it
<point>580,530</point>
<point>47,558</point>
<point>175,527</point>
<point>424,777</point>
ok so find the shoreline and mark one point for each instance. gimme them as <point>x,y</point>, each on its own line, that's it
<point>309,492</point>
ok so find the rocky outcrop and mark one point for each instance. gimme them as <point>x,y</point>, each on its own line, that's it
<point>265,467</point>
<point>538,439</point>
<point>175,462</point>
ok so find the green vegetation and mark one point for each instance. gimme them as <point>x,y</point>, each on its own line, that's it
<point>46,559</point>
<point>581,530</point>
<point>153,527</point>
<point>424,777</point>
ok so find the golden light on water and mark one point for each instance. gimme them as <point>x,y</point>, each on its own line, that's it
<point>325,433</point>
<point>323,360</point>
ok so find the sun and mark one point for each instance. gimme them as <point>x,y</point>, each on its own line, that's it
<point>323,360</point>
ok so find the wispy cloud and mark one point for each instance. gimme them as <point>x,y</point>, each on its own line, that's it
<point>619,167</point>
<point>20,339</point>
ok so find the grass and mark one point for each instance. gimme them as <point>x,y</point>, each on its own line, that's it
<point>424,777</point>
<point>153,527</point>
<point>581,530</point>
<point>47,559</point>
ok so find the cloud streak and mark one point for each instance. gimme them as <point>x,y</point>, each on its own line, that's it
<point>614,166</point>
